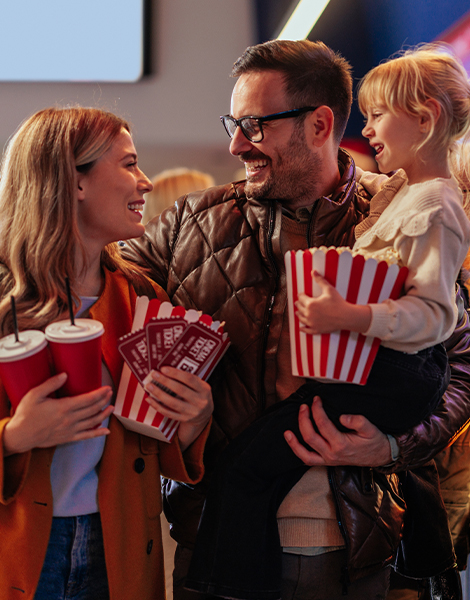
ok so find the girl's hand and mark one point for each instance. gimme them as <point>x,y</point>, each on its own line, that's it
<point>323,313</point>
<point>330,312</point>
<point>192,403</point>
<point>41,421</point>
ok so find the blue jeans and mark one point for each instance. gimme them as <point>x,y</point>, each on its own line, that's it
<point>74,567</point>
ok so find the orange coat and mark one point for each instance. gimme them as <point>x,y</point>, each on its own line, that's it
<point>129,499</point>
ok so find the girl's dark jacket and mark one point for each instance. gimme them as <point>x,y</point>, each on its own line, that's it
<point>213,252</point>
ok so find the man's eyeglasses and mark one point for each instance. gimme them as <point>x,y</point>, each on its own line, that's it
<point>252,127</point>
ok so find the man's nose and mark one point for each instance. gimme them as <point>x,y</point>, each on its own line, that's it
<point>239,143</point>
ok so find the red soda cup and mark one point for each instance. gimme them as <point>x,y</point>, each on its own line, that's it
<point>76,350</point>
<point>24,363</point>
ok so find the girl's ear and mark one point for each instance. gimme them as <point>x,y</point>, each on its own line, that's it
<point>431,116</point>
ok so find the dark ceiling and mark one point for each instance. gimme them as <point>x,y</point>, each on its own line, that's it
<point>367,31</point>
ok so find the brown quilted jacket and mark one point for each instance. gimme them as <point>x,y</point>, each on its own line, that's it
<point>213,252</point>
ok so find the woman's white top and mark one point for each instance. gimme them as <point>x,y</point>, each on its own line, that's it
<point>74,477</point>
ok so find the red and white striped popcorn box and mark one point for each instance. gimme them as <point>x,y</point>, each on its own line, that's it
<point>132,408</point>
<point>344,355</point>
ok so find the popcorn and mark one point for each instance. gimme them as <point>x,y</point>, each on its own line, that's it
<point>344,355</point>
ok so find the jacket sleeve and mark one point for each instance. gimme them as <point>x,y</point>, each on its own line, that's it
<point>13,470</point>
<point>184,466</point>
<point>154,249</point>
<point>452,417</point>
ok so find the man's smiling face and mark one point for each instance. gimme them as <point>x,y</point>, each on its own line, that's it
<point>281,166</point>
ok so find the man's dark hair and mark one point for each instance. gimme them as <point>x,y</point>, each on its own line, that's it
<point>314,75</point>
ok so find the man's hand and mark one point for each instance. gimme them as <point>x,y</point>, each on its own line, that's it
<point>365,446</point>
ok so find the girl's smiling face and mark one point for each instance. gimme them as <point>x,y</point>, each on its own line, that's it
<point>394,137</point>
<point>110,195</point>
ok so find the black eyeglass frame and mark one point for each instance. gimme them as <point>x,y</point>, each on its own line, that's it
<point>286,114</point>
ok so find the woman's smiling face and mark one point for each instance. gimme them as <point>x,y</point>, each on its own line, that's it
<point>110,195</point>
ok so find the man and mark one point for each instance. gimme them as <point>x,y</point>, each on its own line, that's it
<point>221,251</point>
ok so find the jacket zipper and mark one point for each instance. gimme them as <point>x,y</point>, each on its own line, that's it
<point>310,222</point>
<point>272,211</point>
<point>344,571</point>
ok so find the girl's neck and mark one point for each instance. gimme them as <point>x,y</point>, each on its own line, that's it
<point>432,165</point>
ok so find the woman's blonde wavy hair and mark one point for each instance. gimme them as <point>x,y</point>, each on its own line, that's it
<point>404,84</point>
<point>39,236</point>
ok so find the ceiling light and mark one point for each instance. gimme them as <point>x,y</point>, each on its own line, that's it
<point>302,20</point>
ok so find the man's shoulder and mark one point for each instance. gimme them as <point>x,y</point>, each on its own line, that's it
<point>214,196</point>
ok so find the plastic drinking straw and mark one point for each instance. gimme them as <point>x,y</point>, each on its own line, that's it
<point>69,298</point>
<point>15,320</point>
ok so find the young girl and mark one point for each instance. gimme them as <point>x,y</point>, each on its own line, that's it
<point>80,502</point>
<point>417,107</point>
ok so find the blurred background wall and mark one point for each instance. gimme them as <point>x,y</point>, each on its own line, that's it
<point>193,43</point>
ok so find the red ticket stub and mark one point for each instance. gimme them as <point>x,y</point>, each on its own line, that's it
<point>194,350</point>
<point>133,348</point>
<point>162,335</point>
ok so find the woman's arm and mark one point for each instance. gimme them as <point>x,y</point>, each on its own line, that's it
<point>41,421</point>
<point>191,405</point>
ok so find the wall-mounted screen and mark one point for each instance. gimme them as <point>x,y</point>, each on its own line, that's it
<point>72,40</point>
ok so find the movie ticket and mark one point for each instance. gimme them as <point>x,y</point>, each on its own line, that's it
<point>162,334</point>
<point>194,350</point>
<point>134,350</point>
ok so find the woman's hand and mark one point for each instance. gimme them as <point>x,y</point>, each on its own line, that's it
<point>192,403</point>
<point>41,421</point>
<point>330,312</point>
<point>364,446</point>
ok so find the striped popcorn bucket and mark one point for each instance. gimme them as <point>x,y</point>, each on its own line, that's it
<point>343,355</point>
<point>132,408</point>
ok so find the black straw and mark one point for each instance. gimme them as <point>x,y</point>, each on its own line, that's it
<point>69,297</point>
<point>15,320</point>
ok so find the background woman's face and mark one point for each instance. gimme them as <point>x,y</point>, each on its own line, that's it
<point>110,196</point>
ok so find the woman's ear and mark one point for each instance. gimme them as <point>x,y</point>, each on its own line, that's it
<point>320,126</point>
<point>431,116</point>
<point>80,186</point>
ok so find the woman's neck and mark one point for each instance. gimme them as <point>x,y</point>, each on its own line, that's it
<point>90,280</point>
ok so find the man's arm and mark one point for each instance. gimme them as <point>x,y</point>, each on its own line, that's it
<point>424,441</point>
<point>153,250</point>
<point>367,446</point>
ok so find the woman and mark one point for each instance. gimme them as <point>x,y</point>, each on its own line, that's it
<point>80,495</point>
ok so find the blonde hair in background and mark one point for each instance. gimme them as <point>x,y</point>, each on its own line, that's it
<point>170,185</point>
<point>404,84</point>
<point>39,236</point>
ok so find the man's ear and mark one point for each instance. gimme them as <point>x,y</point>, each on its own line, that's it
<point>320,126</point>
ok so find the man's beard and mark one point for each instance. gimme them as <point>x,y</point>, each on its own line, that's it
<point>294,179</point>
